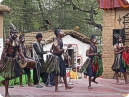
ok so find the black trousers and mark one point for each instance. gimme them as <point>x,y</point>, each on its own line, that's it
<point>43,76</point>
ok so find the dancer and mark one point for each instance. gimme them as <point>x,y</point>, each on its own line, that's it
<point>118,66</point>
<point>57,51</point>
<point>9,66</point>
<point>26,70</point>
<point>92,66</point>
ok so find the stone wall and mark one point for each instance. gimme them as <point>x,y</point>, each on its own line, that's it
<point>110,22</point>
<point>107,48</point>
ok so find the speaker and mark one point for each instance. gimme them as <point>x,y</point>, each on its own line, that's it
<point>117,32</point>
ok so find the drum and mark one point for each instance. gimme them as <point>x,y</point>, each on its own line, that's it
<point>30,63</point>
<point>50,63</point>
<point>48,60</point>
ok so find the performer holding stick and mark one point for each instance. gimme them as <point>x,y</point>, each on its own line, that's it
<point>9,67</point>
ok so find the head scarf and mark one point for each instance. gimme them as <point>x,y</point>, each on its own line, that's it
<point>13,30</point>
<point>57,31</point>
<point>92,37</point>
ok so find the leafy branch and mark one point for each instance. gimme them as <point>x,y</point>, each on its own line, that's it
<point>92,12</point>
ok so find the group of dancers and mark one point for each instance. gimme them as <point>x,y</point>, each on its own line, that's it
<point>14,51</point>
<point>93,68</point>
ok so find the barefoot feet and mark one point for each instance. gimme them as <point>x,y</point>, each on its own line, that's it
<point>94,81</point>
<point>7,95</point>
<point>30,85</point>
<point>68,87</point>
<point>21,85</point>
<point>89,87</point>
<point>118,83</point>
<point>126,82</point>
<point>56,89</point>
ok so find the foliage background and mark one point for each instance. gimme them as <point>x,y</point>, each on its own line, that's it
<point>30,15</point>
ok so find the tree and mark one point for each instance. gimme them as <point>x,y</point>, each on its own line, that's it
<point>30,15</point>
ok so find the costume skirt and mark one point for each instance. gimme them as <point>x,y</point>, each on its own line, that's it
<point>61,65</point>
<point>118,64</point>
<point>90,71</point>
<point>11,68</point>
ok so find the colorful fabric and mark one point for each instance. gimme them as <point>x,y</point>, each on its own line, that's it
<point>73,75</point>
<point>100,67</point>
<point>68,74</point>
<point>91,69</point>
<point>95,64</point>
<point>118,65</point>
<point>96,68</point>
<point>16,81</point>
<point>125,60</point>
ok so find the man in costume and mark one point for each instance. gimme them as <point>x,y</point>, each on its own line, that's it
<point>38,71</point>
<point>92,67</point>
<point>118,66</point>
<point>9,65</point>
<point>57,51</point>
<point>26,70</point>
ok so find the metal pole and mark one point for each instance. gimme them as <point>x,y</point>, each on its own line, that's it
<point>49,85</point>
<point>70,82</point>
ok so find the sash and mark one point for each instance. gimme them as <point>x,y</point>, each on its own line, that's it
<point>40,47</point>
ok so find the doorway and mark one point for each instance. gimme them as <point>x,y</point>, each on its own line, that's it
<point>72,55</point>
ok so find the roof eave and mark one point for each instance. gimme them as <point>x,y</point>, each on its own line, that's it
<point>4,8</point>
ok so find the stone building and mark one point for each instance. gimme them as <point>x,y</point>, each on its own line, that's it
<point>115,16</point>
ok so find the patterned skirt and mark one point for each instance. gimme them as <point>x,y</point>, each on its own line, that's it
<point>117,65</point>
<point>11,68</point>
<point>90,71</point>
<point>51,65</point>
